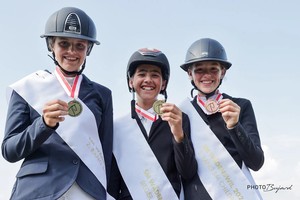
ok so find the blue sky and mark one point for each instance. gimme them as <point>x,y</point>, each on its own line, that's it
<point>261,39</point>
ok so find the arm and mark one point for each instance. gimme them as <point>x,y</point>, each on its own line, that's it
<point>246,137</point>
<point>25,130</point>
<point>180,127</point>
<point>184,153</point>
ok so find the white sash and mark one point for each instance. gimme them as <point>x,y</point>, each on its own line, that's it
<point>80,133</point>
<point>219,173</point>
<point>138,165</point>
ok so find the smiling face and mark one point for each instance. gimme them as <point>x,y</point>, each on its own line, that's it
<point>206,75</point>
<point>147,82</point>
<point>70,53</point>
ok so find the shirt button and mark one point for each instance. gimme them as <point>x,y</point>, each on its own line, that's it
<point>75,162</point>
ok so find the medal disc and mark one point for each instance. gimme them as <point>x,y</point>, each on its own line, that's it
<point>74,108</point>
<point>157,105</point>
<point>211,106</point>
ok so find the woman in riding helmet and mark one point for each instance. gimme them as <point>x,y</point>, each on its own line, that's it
<point>223,129</point>
<point>60,123</point>
<point>152,143</point>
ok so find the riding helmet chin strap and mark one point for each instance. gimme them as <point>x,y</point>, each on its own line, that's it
<point>65,71</point>
<point>207,95</point>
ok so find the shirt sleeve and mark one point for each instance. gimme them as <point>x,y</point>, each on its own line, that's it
<point>246,137</point>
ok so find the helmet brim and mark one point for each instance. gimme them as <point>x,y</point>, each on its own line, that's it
<point>70,35</point>
<point>186,65</point>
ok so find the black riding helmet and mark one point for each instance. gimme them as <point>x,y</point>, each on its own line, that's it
<point>70,22</point>
<point>149,56</point>
<point>73,23</point>
<point>205,49</point>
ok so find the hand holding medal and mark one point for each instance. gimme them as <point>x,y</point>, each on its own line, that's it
<point>172,114</point>
<point>230,112</point>
<point>54,112</point>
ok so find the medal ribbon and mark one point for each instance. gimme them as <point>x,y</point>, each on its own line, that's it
<point>145,113</point>
<point>73,90</point>
<point>218,96</point>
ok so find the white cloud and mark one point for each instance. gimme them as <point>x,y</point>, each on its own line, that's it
<point>279,171</point>
<point>270,167</point>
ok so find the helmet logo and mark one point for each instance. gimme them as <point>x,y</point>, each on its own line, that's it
<point>149,52</point>
<point>204,54</point>
<point>72,24</point>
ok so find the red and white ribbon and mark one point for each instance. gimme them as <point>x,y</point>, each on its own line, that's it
<point>146,114</point>
<point>73,90</point>
<point>202,102</point>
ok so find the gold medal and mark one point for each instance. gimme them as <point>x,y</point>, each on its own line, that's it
<point>74,108</point>
<point>157,105</point>
<point>211,106</point>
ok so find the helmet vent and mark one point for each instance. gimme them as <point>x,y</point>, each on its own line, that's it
<point>149,52</point>
<point>72,24</point>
